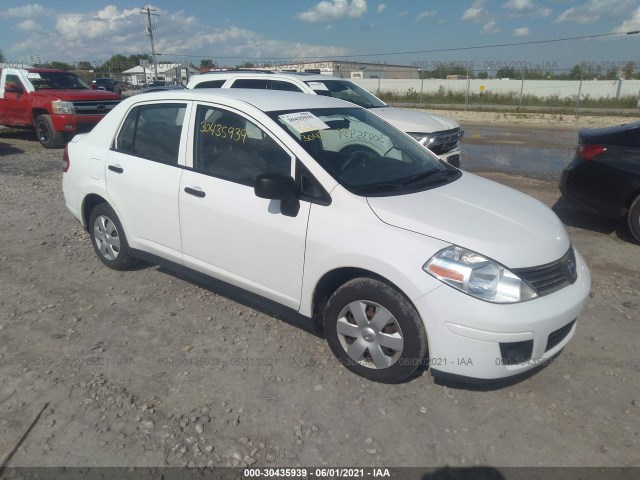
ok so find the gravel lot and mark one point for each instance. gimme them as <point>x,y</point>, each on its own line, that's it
<point>147,368</point>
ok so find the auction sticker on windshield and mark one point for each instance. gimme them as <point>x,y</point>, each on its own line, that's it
<point>303,122</point>
<point>318,86</point>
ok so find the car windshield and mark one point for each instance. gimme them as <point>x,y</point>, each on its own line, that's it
<point>346,90</point>
<point>363,153</point>
<point>57,80</point>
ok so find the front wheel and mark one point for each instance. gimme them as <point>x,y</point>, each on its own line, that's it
<point>47,135</point>
<point>108,238</point>
<point>633,218</point>
<point>375,331</point>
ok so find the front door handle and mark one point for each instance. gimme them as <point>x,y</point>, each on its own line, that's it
<point>116,168</point>
<point>196,192</point>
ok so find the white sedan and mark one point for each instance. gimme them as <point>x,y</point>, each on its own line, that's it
<point>405,260</point>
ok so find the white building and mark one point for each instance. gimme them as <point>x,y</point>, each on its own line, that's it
<point>173,73</point>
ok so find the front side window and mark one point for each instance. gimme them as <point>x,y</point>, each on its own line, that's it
<point>152,132</point>
<point>253,83</point>
<point>363,153</point>
<point>228,146</point>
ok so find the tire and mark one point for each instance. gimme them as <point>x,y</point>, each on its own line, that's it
<point>108,238</point>
<point>633,218</point>
<point>388,351</point>
<point>47,135</point>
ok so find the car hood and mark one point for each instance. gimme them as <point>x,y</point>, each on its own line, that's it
<point>415,122</point>
<point>486,217</point>
<point>80,94</point>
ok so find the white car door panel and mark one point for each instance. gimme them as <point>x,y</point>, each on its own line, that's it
<point>227,231</point>
<point>143,174</point>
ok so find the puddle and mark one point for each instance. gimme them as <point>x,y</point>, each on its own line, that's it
<point>532,152</point>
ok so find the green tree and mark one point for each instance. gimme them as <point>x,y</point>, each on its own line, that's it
<point>508,73</point>
<point>60,65</point>
<point>1,57</point>
<point>208,63</point>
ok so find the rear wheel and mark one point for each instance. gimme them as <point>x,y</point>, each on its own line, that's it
<point>47,135</point>
<point>633,218</point>
<point>375,331</point>
<point>108,238</point>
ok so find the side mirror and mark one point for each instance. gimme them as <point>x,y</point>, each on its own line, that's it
<point>276,186</point>
<point>13,88</point>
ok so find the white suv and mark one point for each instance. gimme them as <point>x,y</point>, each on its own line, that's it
<point>441,135</point>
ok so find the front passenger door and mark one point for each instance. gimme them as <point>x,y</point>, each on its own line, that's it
<point>227,231</point>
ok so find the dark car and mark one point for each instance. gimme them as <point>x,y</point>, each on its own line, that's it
<point>160,88</point>
<point>107,84</point>
<point>605,173</point>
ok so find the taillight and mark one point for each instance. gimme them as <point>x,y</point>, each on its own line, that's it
<point>65,159</point>
<point>588,151</point>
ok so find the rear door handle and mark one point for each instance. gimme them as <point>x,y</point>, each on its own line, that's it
<point>196,192</point>
<point>116,168</point>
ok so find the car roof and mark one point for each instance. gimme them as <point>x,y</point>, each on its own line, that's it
<point>265,100</point>
<point>302,76</point>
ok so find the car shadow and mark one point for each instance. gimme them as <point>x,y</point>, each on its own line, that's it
<point>19,134</point>
<point>577,216</point>
<point>238,295</point>
<point>6,149</point>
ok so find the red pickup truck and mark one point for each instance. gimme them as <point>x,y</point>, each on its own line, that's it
<point>58,104</point>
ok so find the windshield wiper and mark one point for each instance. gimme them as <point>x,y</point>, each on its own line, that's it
<point>419,177</point>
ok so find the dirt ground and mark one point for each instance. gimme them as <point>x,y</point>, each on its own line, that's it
<point>147,368</point>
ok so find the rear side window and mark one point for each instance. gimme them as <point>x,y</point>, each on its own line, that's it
<point>152,132</point>
<point>210,84</point>
<point>251,83</point>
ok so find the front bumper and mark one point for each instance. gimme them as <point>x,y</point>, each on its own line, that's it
<point>68,123</point>
<point>470,338</point>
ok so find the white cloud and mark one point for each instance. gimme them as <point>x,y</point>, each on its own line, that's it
<point>490,27</point>
<point>27,25</point>
<point>24,11</point>
<point>519,5</point>
<point>475,13</point>
<point>519,8</point>
<point>381,7</point>
<point>521,32</point>
<point>403,13</point>
<point>328,27</point>
<point>97,35</point>
<point>594,10</point>
<point>425,14</point>
<point>630,24</point>
<point>330,10</point>
<point>368,26</point>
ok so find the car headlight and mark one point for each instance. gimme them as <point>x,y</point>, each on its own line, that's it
<point>61,106</point>
<point>478,276</point>
<point>424,139</point>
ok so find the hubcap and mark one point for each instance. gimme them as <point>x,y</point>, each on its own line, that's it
<point>42,131</point>
<point>107,237</point>
<point>370,334</point>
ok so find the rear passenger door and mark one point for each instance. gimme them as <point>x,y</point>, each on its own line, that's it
<point>143,171</point>
<point>227,231</point>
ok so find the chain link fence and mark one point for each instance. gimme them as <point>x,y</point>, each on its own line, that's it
<point>473,93</point>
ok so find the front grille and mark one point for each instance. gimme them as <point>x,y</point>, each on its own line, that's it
<point>546,279</point>
<point>93,107</point>
<point>446,141</point>
<point>556,337</point>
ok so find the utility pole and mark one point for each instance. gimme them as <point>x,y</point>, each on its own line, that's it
<point>150,29</point>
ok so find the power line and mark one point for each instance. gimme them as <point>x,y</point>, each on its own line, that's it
<point>435,50</point>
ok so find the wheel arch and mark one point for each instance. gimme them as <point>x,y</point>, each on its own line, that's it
<point>90,202</point>
<point>334,279</point>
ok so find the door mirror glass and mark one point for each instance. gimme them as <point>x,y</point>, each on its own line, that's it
<point>13,88</point>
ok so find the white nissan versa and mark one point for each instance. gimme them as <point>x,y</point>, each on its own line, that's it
<point>405,259</point>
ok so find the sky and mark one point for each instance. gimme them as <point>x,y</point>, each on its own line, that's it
<point>234,31</point>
